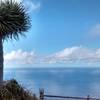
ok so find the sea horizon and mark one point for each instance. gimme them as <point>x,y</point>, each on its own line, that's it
<point>61,67</point>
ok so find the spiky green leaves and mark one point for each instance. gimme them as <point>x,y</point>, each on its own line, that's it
<point>14,19</point>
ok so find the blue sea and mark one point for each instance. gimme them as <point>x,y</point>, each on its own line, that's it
<point>58,81</point>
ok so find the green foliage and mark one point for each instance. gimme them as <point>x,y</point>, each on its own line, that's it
<point>14,19</point>
<point>11,90</point>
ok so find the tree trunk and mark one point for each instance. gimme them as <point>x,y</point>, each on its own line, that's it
<point>1,61</point>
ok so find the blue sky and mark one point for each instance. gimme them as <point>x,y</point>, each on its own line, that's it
<point>61,31</point>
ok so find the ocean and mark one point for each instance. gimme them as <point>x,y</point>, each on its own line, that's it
<point>58,81</point>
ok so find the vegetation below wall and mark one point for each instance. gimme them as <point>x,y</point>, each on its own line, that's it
<point>11,90</point>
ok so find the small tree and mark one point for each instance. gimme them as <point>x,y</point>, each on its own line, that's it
<point>14,20</point>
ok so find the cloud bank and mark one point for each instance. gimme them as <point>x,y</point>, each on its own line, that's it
<point>77,54</point>
<point>20,57</point>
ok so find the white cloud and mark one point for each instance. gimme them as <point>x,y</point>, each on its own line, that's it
<point>20,57</point>
<point>75,55</point>
<point>72,55</point>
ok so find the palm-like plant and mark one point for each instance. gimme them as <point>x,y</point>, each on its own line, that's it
<point>13,22</point>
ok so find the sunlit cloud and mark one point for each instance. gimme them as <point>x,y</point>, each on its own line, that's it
<point>20,57</point>
<point>72,55</point>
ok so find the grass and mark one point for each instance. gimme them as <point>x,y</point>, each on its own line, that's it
<point>11,90</point>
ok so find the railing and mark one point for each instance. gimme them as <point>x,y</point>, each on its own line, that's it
<point>42,97</point>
